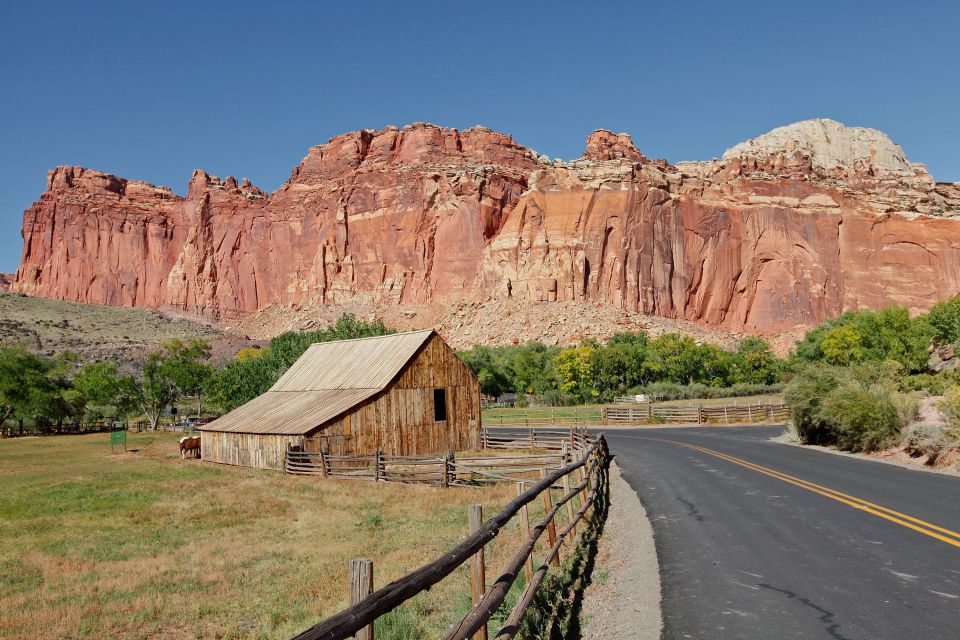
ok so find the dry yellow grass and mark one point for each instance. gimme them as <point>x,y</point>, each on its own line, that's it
<point>145,545</point>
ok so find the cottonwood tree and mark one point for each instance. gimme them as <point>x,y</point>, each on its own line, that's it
<point>177,369</point>
<point>98,391</point>
<point>31,386</point>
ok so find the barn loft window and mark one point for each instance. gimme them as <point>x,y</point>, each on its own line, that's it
<point>439,405</point>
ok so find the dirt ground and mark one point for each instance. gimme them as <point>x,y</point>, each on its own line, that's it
<point>623,600</point>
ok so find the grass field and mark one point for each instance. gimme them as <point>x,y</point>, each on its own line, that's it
<point>145,545</point>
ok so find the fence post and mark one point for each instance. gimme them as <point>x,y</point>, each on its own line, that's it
<point>452,465</point>
<point>324,471</point>
<point>566,490</point>
<point>361,586</point>
<point>376,466</point>
<point>532,441</point>
<point>564,452</point>
<point>700,414</point>
<point>478,577</point>
<point>525,530</point>
<point>726,416</point>
<point>551,527</point>
<point>749,413</point>
<point>446,472</point>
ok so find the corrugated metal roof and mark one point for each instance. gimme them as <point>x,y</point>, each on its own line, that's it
<point>328,379</point>
<point>289,412</point>
<point>364,363</point>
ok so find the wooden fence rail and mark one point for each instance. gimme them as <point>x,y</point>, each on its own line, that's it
<point>589,471</point>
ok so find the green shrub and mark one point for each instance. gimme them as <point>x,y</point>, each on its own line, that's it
<point>804,393</point>
<point>858,408</point>
<point>862,418</point>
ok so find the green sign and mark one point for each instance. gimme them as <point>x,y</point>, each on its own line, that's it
<point>118,437</point>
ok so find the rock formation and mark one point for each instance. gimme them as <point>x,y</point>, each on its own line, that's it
<point>785,230</point>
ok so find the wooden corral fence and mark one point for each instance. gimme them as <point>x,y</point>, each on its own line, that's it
<point>582,485</point>
<point>727,414</point>
<point>575,437</point>
<point>554,449</point>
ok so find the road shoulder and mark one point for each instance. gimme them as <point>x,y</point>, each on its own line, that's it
<point>790,440</point>
<point>623,599</point>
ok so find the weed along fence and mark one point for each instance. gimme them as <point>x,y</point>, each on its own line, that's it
<point>728,414</point>
<point>450,470</point>
<point>573,520</point>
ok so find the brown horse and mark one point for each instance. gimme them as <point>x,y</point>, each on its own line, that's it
<point>191,445</point>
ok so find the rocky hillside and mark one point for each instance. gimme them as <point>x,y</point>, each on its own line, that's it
<point>785,230</point>
<point>100,333</point>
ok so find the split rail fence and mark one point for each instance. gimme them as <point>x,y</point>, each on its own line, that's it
<point>553,449</point>
<point>728,414</point>
<point>582,484</point>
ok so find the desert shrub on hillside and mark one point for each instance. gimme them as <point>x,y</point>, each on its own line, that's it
<point>932,384</point>
<point>925,439</point>
<point>949,407</point>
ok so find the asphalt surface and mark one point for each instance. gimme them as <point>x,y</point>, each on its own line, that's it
<point>744,554</point>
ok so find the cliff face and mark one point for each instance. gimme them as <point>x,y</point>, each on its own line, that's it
<point>784,231</point>
<point>399,215</point>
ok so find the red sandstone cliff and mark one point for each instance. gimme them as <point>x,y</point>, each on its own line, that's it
<point>785,230</point>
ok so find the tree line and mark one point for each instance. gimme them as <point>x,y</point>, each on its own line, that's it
<point>39,391</point>
<point>43,391</point>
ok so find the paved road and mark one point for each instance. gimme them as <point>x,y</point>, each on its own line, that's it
<point>746,552</point>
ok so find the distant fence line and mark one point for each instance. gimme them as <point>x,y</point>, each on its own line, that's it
<point>727,414</point>
<point>646,413</point>
<point>73,428</point>
<point>582,484</point>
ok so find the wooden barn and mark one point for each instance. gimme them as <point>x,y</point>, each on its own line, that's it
<point>405,394</point>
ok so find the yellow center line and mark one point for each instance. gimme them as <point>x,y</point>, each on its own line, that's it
<point>916,524</point>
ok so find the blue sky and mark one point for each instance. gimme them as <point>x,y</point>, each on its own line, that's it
<point>154,90</point>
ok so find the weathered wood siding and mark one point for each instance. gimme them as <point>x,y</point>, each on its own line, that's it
<point>400,420</point>
<point>245,449</point>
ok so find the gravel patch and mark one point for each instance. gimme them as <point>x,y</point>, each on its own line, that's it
<point>623,599</point>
